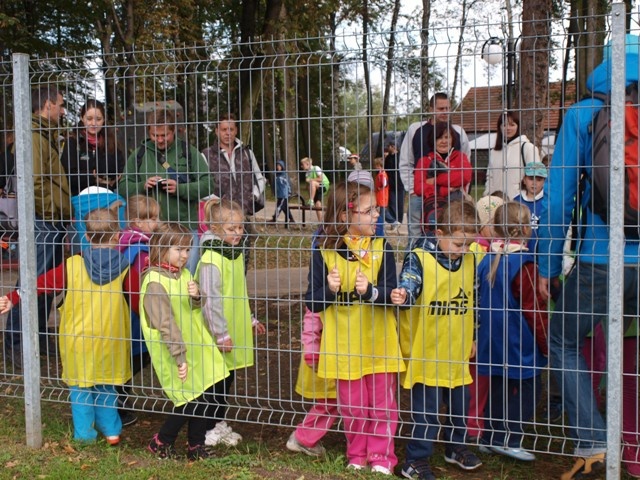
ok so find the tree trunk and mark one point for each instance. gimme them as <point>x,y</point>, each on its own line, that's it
<point>389,66</point>
<point>534,61</point>
<point>463,25</point>
<point>251,77</point>
<point>337,122</point>
<point>367,79</point>
<point>589,38</point>
<point>424,56</point>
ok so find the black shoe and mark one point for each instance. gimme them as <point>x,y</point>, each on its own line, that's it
<point>13,356</point>
<point>419,470</point>
<point>197,452</point>
<point>462,456</point>
<point>161,450</point>
<point>127,417</point>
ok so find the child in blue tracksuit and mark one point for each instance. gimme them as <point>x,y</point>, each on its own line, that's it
<point>283,192</point>
<point>512,332</point>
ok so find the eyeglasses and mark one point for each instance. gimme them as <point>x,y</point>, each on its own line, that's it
<point>370,211</point>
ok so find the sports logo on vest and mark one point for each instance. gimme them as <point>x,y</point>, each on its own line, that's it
<point>456,306</point>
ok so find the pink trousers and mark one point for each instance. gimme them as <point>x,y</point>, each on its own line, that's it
<point>320,418</point>
<point>369,409</point>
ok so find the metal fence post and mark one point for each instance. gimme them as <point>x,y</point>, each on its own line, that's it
<point>26,214</point>
<point>616,242</point>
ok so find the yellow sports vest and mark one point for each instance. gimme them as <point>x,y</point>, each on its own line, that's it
<point>359,338</point>
<point>436,334</point>
<point>235,304</point>
<point>310,385</point>
<point>205,363</point>
<point>95,330</point>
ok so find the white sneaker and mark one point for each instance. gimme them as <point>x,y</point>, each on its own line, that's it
<point>295,446</point>
<point>212,438</point>
<point>226,434</point>
<point>380,469</point>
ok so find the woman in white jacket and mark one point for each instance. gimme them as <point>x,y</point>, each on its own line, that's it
<point>508,157</point>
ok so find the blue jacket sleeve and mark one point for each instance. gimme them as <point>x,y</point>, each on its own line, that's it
<point>411,278</point>
<point>318,296</point>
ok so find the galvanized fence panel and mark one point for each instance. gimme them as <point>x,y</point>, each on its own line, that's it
<point>295,99</point>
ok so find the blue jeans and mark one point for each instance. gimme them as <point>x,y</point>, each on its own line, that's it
<point>94,409</point>
<point>425,411</point>
<point>511,402</point>
<point>414,219</point>
<point>49,239</point>
<point>582,305</point>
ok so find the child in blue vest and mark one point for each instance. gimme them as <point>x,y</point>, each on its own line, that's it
<point>283,192</point>
<point>142,214</point>
<point>187,363</point>
<point>512,332</point>
<point>225,303</point>
<point>94,326</point>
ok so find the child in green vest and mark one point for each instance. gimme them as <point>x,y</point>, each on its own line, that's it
<point>225,302</point>
<point>187,363</point>
<point>95,330</point>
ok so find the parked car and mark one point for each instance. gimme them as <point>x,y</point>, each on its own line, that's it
<point>390,136</point>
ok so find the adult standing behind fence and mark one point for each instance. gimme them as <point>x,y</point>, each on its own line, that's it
<point>170,170</point>
<point>584,302</point>
<point>508,158</point>
<point>52,208</point>
<point>234,168</point>
<point>416,145</point>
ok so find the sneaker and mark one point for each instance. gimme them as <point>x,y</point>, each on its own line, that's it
<point>295,446</point>
<point>197,452</point>
<point>463,457</point>
<point>222,433</point>
<point>127,417</point>
<point>381,469</point>
<point>161,450</point>
<point>356,466</point>
<point>590,467</point>
<point>212,438</point>
<point>419,470</point>
<point>517,453</point>
<point>113,440</point>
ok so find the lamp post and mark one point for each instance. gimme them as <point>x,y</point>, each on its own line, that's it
<point>494,52</point>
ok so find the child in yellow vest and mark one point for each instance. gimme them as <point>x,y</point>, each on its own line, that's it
<point>351,277</point>
<point>436,335</point>
<point>187,363</point>
<point>95,330</point>
<point>225,302</point>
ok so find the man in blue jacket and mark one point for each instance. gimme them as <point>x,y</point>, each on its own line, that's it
<point>583,302</point>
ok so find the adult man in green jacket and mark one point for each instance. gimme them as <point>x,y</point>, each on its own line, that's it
<point>168,169</point>
<point>52,209</point>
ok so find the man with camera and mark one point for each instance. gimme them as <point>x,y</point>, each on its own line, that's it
<point>170,170</point>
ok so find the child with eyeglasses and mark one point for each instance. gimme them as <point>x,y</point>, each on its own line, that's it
<point>225,302</point>
<point>352,274</point>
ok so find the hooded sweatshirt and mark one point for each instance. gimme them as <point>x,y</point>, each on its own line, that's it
<point>572,153</point>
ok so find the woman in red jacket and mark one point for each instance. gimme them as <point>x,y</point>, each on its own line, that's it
<point>441,176</point>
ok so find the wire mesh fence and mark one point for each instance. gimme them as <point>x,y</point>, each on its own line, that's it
<point>156,129</point>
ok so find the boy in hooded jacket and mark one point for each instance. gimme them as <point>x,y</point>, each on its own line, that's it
<point>283,192</point>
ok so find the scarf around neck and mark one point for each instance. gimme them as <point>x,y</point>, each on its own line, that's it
<point>359,246</point>
<point>227,251</point>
